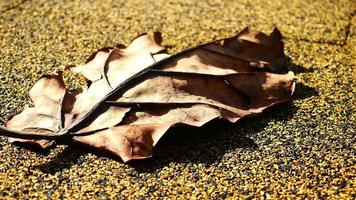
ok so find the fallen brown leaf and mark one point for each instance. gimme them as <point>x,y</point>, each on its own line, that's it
<point>138,92</point>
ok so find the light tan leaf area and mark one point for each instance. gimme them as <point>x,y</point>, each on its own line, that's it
<point>137,92</point>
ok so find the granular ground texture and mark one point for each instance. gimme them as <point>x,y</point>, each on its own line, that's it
<point>302,149</point>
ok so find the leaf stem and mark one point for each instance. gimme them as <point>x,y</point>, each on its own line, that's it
<point>35,136</point>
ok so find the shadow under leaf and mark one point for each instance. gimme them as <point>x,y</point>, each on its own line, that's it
<point>303,91</point>
<point>291,66</point>
<point>64,160</point>
<point>32,147</point>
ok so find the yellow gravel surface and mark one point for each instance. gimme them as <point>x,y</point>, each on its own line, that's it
<point>302,149</point>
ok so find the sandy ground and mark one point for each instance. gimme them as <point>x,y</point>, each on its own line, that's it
<point>305,148</point>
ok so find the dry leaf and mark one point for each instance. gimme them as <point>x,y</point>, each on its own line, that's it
<point>138,92</point>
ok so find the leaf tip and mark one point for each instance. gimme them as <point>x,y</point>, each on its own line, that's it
<point>243,31</point>
<point>157,37</point>
<point>292,77</point>
<point>276,34</point>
